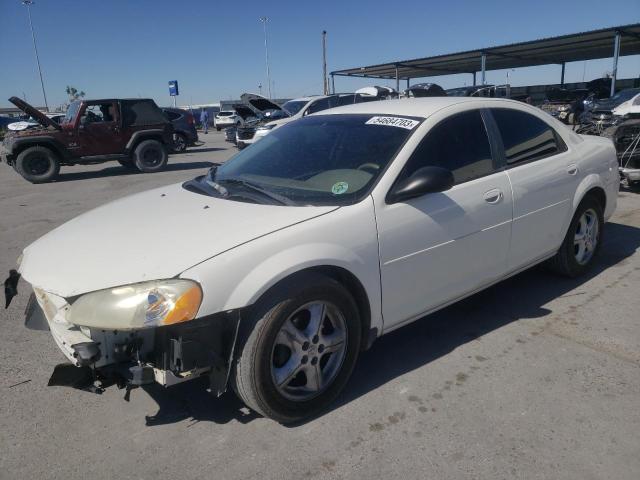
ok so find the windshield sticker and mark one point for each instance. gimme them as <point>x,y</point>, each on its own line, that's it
<point>340,188</point>
<point>393,122</point>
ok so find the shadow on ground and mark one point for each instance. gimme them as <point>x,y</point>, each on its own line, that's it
<point>119,171</point>
<point>421,342</point>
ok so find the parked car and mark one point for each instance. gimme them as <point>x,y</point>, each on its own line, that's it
<point>300,107</point>
<point>184,128</point>
<point>425,90</point>
<point>228,118</point>
<point>32,122</point>
<point>6,121</point>
<point>602,111</point>
<point>134,132</point>
<point>343,226</point>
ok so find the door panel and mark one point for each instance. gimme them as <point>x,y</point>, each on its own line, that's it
<point>99,130</point>
<point>543,196</point>
<point>543,176</point>
<point>438,247</point>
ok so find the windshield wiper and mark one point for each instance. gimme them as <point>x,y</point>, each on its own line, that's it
<point>256,188</point>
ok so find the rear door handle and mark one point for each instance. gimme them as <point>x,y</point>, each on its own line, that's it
<point>493,196</point>
<point>572,169</point>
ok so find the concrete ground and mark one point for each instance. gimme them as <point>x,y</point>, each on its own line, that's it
<point>536,378</point>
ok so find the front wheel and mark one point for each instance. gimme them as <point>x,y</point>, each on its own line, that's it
<point>582,241</point>
<point>37,164</point>
<point>150,156</point>
<point>300,352</point>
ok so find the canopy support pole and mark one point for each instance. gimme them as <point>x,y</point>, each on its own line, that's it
<point>397,80</point>
<point>333,83</point>
<point>562,75</point>
<point>474,79</point>
<point>483,65</point>
<point>616,54</point>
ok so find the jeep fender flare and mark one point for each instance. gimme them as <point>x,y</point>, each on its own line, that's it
<point>151,134</point>
<point>21,144</point>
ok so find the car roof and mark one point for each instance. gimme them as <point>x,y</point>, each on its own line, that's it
<point>413,107</point>
<point>308,99</point>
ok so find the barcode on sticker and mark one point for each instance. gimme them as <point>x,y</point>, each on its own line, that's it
<point>393,122</point>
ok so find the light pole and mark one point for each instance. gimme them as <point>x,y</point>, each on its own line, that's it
<point>325,79</point>
<point>264,21</point>
<point>28,4</point>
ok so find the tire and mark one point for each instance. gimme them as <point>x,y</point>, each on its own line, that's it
<point>128,164</point>
<point>38,164</point>
<point>264,358</point>
<point>218,128</point>
<point>150,156</point>
<point>180,142</point>
<point>574,258</point>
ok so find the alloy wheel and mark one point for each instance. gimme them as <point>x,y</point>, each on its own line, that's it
<point>585,238</point>
<point>309,350</point>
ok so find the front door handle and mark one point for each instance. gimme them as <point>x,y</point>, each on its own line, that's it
<point>493,196</point>
<point>572,169</point>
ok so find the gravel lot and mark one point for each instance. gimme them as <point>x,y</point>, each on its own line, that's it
<point>535,378</point>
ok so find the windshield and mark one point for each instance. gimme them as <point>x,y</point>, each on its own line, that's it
<point>71,112</point>
<point>319,160</point>
<point>225,114</point>
<point>294,106</point>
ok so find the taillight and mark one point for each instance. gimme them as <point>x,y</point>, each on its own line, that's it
<point>190,119</point>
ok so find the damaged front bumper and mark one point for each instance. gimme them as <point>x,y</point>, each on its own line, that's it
<point>166,355</point>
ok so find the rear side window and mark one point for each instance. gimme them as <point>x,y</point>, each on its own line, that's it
<point>458,143</point>
<point>525,137</point>
<point>172,115</point>
<point>143,112</point>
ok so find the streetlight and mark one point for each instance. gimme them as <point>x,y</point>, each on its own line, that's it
<point>28,4</point>
<point>264,21</point>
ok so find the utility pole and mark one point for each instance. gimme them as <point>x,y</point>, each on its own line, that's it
<point>264,21</point>
<point>325,80</point>
<point>28,4</point>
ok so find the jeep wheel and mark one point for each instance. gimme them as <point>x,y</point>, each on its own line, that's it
<point>150,156</point>
<point>179,142</point>
<point>37,164</point>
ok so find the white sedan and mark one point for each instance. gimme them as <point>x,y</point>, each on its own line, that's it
<point>271,273</point>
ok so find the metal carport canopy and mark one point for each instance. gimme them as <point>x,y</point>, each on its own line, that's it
<point>575,47</point>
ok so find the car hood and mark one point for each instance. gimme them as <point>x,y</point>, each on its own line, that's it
<point>147,236</point>
<point>259,102</point>
<point>36,114</point>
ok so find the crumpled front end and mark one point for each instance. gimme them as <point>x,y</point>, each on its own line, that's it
<point>166,355</point>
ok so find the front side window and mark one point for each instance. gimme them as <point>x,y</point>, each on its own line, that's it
<point>322,104</point>
<point>458,143</point>
<point>526,138</point>
<point>320,160</point>
<point>98,112</point>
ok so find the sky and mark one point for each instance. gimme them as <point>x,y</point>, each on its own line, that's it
<point>131,48</point>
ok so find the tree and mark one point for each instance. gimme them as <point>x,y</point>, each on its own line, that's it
<point>74,94</point>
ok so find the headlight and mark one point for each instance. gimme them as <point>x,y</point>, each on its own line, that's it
<point>141,305</point>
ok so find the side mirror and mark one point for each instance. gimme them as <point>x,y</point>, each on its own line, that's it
<point>424,180</point>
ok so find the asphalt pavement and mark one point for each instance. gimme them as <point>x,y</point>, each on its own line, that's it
<point>535,378</point>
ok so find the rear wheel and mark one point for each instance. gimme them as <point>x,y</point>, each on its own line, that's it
<point>179,142</point>
<point>128,164</point>
<point>150,156</point>
<point>582,242</point>
<point>300,352</point>
<point>37,164</point>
